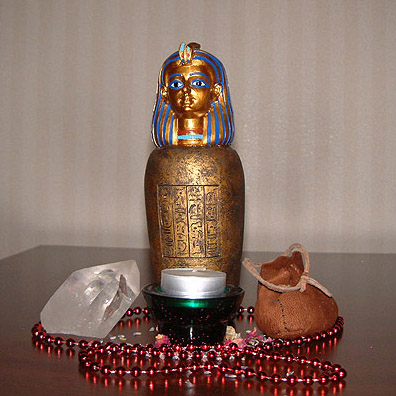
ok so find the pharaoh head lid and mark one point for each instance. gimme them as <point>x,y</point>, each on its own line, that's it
<point>193,106</point>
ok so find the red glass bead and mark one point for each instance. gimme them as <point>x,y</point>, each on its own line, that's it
<point>316,336</point>
<point>208,366</point>
<point>145,310</point>
<point>36,333</point>
<point>224,355</point>
<point>223,367</point>
<point>137,311</point>
<point>233,347</point>
<point>180,368</point>
<point>129,312</point>
<point>275,356</point>
<point>238,370</point>
<point>315,362</point>
<point>323,379</point>
<point>155,352</point>
<point>330,332</point>
<point>261,355</point>
<point>308,339</point>
<point>205,347</point>
<point>298,341</point>
<point>341,373</point>
<point>239,353</point>
<point>249,373</point>
<point>287,343</point>
<point>70,343</point>
<point>142,351</point>
<point>195,367</point>
<point>127,349</point>
<point>289,358</point>
<point>106,370</point>
<point>48,339</point>
<point>167,370</point>
<point>248,350</point>
<point>241,309</point>
<point>151,371</point>
<point>108,345</point>
<point>301,359</point>
<point>326,365</point>
<point>122,346</point>
<point>323,334</point>
<point>278,344</point>
<point>337,368</point>
<point>275,378</point>
<point>197,355</point>
<point>169,353</point>
<point>120,371</point>
<point>308,380</point>
<point>83,344</point>
<point>86,363</point>
<point>136,371</point>
<point>184,355</point>
<point>136,347</point>
<point>114,348</point>
<point>95,344</point>
<point>291,380</point>
<point>262,376</point>
<point>94,367</point>
<point>100,349</point>
<point>218,347</point>
<point>83,360</point>
<point>250,309</point>
<point>334,377</point>
<point>82,354</point>
<point>177,348</point>
<point>268,346</point>
<point>90,351</point>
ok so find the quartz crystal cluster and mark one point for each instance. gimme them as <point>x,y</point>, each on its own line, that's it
<point>92,300</point>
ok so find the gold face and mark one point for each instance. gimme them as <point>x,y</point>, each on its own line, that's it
<point>193,106</point>
<point>189,90</point>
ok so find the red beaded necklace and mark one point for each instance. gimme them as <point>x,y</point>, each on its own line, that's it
<point>207,358</point>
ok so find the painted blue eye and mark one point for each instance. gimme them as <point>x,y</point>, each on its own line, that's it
<point>199,83</point>
<point>176,84</point>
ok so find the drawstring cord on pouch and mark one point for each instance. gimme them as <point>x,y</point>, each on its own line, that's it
<point>304,279</point>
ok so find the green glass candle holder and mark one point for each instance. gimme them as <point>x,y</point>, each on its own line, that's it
<point>193,320</point>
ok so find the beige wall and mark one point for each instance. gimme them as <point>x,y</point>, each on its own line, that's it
<point>313,85</point>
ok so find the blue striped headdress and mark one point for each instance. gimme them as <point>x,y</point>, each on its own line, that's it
<point>218,123</point>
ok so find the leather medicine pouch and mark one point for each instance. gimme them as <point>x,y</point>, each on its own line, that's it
<point>290,303</point>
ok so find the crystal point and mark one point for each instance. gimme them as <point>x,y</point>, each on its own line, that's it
<point>92,300</point>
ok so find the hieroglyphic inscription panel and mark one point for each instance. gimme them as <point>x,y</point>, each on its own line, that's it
<point>188,217</point>
<point>165,209</point>
<point>211,221</point>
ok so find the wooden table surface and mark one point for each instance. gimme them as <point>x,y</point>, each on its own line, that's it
<point>364,286</point>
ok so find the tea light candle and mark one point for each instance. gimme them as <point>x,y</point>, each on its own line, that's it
<point>192,282</point>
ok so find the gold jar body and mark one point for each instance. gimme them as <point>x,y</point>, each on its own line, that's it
<point>195,203</point>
